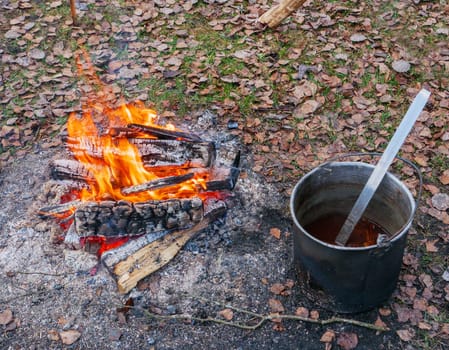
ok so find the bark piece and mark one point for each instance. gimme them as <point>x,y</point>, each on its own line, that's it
<point>277,14</point>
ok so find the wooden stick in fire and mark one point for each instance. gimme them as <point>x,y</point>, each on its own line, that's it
<point>156,184</point>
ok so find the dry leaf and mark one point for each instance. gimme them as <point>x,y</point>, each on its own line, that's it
<point>421,160</point>
<point>314,315</point>
<point>53,335</point>
<point>357,38</point>
<point>432,310</point>
<point>11,326</point>
<point>445,328</point>
<point>425,326</point>
<point>430,246</point>
<point>347,341</point>
<point>275,306</point>
<point>380,323</point>
<point>445,275</point>
<point>70,336</point>
<point>328,336</point>
<point>308,107</point>
<point>277,288</point>
<point>6,317</point>
<point>275,232</point>
<point>444,178</point>
<point>385,311</point>
<point>420,304</point>
<point>401,66</point>
<point>243,54</point>
<point>278,327</point>
<point>302,312</point>
<point>227,314</point>
<point>406,334</point>
<point>37,54</point>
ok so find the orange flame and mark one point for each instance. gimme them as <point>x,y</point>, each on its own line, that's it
<point>119,164</point>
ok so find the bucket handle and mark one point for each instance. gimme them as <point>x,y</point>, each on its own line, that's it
<point>378,154</point>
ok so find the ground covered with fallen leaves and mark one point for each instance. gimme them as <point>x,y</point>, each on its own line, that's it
<point>334,78</point>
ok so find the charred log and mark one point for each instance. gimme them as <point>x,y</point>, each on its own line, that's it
<point>230,181</point>
<point>65,169</point>
<point>121,218</point>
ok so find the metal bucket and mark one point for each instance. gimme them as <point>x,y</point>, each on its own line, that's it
<point>349,279</point>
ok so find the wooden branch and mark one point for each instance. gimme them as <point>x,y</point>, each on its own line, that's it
<point>277,14</point>
<point>152,257</point>
<point>263,319</point>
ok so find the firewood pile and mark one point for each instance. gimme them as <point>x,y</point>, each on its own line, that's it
<point>154,216</point>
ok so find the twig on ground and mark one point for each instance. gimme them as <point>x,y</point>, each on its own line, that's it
<point>262,319</point>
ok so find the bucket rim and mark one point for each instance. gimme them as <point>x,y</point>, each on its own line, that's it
<point>396,236</point>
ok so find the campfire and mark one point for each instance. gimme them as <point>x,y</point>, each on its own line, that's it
<point>136,189</point>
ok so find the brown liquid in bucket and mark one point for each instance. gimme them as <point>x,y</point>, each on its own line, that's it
<point>327,227</point>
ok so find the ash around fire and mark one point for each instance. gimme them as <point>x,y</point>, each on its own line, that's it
<point>252,199</point>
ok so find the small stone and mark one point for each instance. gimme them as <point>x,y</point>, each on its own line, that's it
<point>401,66</point>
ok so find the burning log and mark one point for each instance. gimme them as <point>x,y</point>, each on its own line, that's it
<point>68,169</point>
<point>123,218</point>
<point>154,153</point>
<point>161,133</point>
